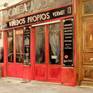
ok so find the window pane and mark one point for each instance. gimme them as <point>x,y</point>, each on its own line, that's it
<point>40,44</point>
<point>19,46</point>
<point>26,45</point>
<point>54,43</point>
<point>1,47</point>
<point>10,46</point>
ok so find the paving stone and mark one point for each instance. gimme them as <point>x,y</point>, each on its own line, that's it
<point>13,85</point>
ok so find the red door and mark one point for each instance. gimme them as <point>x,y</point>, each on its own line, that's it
<point>19,52</point>
<point>48,50</point>
<point>10,54</point>
<point>22,51</point>
<point>15,53</point>
<point>40,70</point>
<point>55,52</point>
<point>18,46</point>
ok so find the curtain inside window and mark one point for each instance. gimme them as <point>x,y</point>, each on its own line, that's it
<point>40,52</point>
<point>54,43</point>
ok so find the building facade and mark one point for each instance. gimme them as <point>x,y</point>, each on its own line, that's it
<point>49,40</point>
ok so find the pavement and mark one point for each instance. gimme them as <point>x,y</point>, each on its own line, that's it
<point>13,85</point>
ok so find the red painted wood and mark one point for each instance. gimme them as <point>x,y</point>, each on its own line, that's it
<point>5,54</point>
<point>19,70</point>
<point>69,76</point>
<point>54,70</point>
<point>32,51</point>
<point>40,72</point>
<point>43,72</point>
<point>11,70</point>
<point>54,73</point>
<point>27,73</point>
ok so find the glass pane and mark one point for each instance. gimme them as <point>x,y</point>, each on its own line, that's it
<point>54,43</point>
<point>10,46</point>
<point>40,44</point>
<point>88,7</point>
<point>19,46</point>
<point>27,45</point>
<point>1,48</point>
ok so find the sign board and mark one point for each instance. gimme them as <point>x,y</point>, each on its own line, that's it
<point>68,42</point>
<point>39,17</point>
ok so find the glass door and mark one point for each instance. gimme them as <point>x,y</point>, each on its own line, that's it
<point>10,49</point>
<point>19,52</point>
<point>48,56</point>
<point>54,66</point>
<point>40,64</point>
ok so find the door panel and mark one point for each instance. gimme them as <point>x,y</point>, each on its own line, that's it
<point>27,74</point>
<point>11,71</point>
<point>87,54</point>
<point>19,52</point>
<point>88,59</point>
<point>88,35</point>
<point>54,73</point>
<point>54,66</point>
<point>88,73</point>
<point>40,72</point>
<point>40,64</point>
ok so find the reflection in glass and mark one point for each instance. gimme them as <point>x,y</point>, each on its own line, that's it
<point>19,46</point>
<point>54,43</point>
<point>10,46</point>
<point>27,46</point>
<point>1,48</point>
<point>40,44</point>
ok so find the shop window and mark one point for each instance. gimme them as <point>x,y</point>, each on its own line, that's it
<point>54,43</point>
<point>19,45</point>
<point>10,46</point>
<point>1,48</point>
<point>26,45</point>
<point>40,45</point>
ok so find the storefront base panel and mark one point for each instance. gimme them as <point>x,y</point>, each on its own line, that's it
<point>40,72</point>
<point>27,75</point>
<point>11,70</point>
<point>2,74</point>
<point>69,76</point>
<point>54,74</point>
<point>19,70</point>
<point>66,76</point>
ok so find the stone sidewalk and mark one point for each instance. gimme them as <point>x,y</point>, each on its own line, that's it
<point>12,85</point>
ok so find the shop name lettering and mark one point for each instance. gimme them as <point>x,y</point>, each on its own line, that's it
<point>42,16</point>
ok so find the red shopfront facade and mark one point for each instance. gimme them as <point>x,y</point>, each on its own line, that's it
<point>42,46</point>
